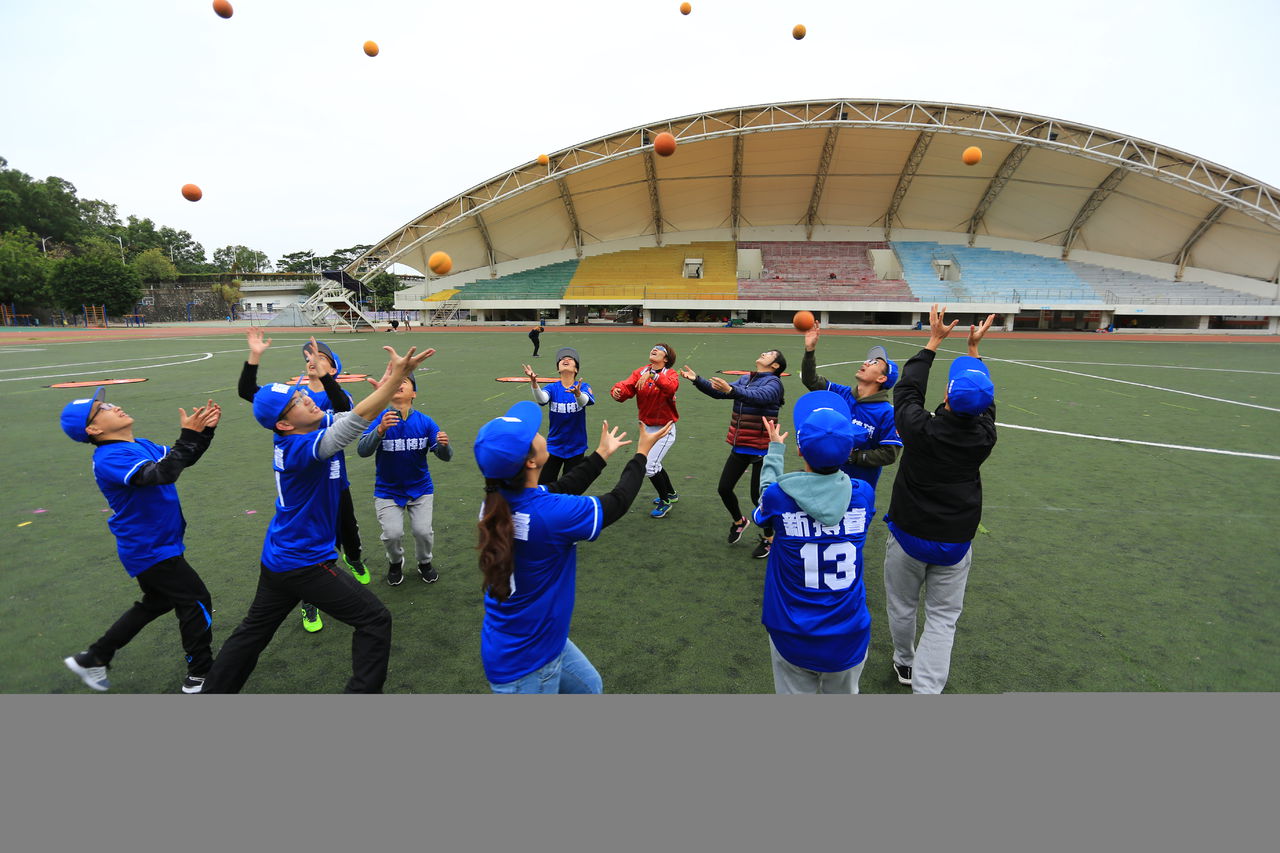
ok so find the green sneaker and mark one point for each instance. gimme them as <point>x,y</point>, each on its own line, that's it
<point>311,618</point>
<point>358,571</point>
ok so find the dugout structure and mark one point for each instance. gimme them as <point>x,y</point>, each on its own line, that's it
<point>865,170</point>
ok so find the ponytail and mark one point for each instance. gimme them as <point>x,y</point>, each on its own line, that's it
<point>496,537</point>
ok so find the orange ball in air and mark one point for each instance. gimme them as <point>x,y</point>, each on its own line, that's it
<point>191,192</point>
<point>803,321</point>
<point>972,155</point>
<point>371,48</point>
<point>222,8</point>
<point>440,263</point>
<point>664,144</point>
<point>685,8</point>
<point>798,32</point>
<point>543,159</point>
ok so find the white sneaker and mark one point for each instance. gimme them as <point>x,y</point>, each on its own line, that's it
<point>94,676</point>
<point>191,684</point>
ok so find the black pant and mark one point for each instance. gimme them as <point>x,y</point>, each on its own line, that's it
<point>734,467</point>
<point>168,585</point>
<point>337,594</point>
<point>536,344</point>
<point>551,471</point>
<point>348,541</point>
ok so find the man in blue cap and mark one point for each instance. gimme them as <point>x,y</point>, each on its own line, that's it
<point>299,553</point>
<point>936,504</point>
<point>136,477</point>
<point>815,602</point>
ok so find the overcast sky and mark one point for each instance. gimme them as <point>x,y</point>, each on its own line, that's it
<point>300,141</point>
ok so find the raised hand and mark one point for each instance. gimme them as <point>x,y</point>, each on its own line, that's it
<point>771,427</point>
<point>215,415</point>
<point>688,373</point>
<point>197,420</point>
<point>976,334</point>
<point>533,377</point>
<point>720,385</point>
<point>611,440</point>
<point>649,439</point>
<point>811,339</point>
<point>258,343</point>
<point>938,326</point>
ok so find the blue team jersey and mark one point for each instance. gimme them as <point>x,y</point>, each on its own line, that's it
<point>401,461</point>
<point>147,520</point>
<point>815,603</point>
<point>872,426</point>
<point>321,399</point>
<point>301,531</point>
<point>525,632</point>
<point>567,420</point>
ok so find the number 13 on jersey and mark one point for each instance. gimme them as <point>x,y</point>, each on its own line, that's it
<point>833,565</point>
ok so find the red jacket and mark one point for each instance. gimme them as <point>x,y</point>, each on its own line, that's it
<point>656,397</point>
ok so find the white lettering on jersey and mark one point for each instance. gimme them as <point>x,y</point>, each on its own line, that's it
<point>279,458</point>
<point>335,468</point>
<point>565,408</point>
<point>855,521</point>
<point>796,524</point>
<point>521,522</point>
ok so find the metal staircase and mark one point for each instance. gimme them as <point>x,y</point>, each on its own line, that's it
<point>331,306</point>
<point>444,313</point>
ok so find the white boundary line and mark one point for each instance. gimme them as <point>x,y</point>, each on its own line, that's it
<point>1134,441</point>
<point>204,357</point>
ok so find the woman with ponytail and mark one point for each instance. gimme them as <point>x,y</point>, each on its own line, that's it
<point>528,538</point>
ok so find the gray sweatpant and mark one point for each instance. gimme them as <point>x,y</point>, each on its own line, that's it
<point>789,678</point>
<point>930,659</point>
<point>391,517</point>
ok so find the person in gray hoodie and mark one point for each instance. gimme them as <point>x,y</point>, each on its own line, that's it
<point>815,602</point>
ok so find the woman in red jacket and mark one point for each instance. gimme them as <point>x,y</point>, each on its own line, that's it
<point>654,386</point>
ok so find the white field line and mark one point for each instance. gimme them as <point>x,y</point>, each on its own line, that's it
<point>1133,441</point>
<point>204,357</point>
<point>113,361</point>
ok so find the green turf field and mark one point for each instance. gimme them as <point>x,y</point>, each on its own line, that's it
<point>1105,566</point>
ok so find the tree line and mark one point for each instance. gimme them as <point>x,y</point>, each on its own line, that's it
<point>61,251</point>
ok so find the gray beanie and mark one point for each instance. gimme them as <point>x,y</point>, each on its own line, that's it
<point>572,353</point>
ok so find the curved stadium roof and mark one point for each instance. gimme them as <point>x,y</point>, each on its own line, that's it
<point>889,165</point>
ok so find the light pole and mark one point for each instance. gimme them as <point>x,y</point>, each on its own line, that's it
<point>121,242</point>
<point>44,248</point>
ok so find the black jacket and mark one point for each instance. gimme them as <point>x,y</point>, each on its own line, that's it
<point>937,494</point>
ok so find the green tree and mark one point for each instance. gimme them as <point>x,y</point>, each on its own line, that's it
<point>99,217</point>
<point>297,262</point>
<point>241,259</point>
<point>152,265</point>
<point>96,278</point>
<point>24,270</point>
<point>185,253</point>
<point>384,286</point>
<point>47,208</point>
<point>228,291</point>
<point>342,258</point>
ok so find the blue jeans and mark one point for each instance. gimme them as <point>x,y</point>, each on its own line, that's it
<point>567,672</point>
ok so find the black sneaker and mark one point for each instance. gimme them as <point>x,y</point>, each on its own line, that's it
<point>762,549</point>
<point>903,673</point>
<point>736,529</point>
<point>395,574</point>
<point>429,575</point>
<point>192,684</point>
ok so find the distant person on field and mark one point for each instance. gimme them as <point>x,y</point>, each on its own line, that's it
<point>815,600</point>
<point>136,477</point>
<point>535,335</point>
<point>936,504</point>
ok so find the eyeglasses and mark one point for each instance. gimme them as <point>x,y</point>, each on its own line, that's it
<point>102,407</point>
<point>293,401</point>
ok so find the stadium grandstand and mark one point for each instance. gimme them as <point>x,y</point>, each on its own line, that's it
<point>861,211</point>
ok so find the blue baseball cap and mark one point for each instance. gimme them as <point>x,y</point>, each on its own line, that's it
<point>890,369</point>
<point>970,390</point>
<point>271,401</point>
<point>325,350</point>
<point>76,414</point>
<point>824,429</point>
<point>502,445</point>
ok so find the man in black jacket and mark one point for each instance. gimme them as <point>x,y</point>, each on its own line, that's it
<point>936,504</point>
